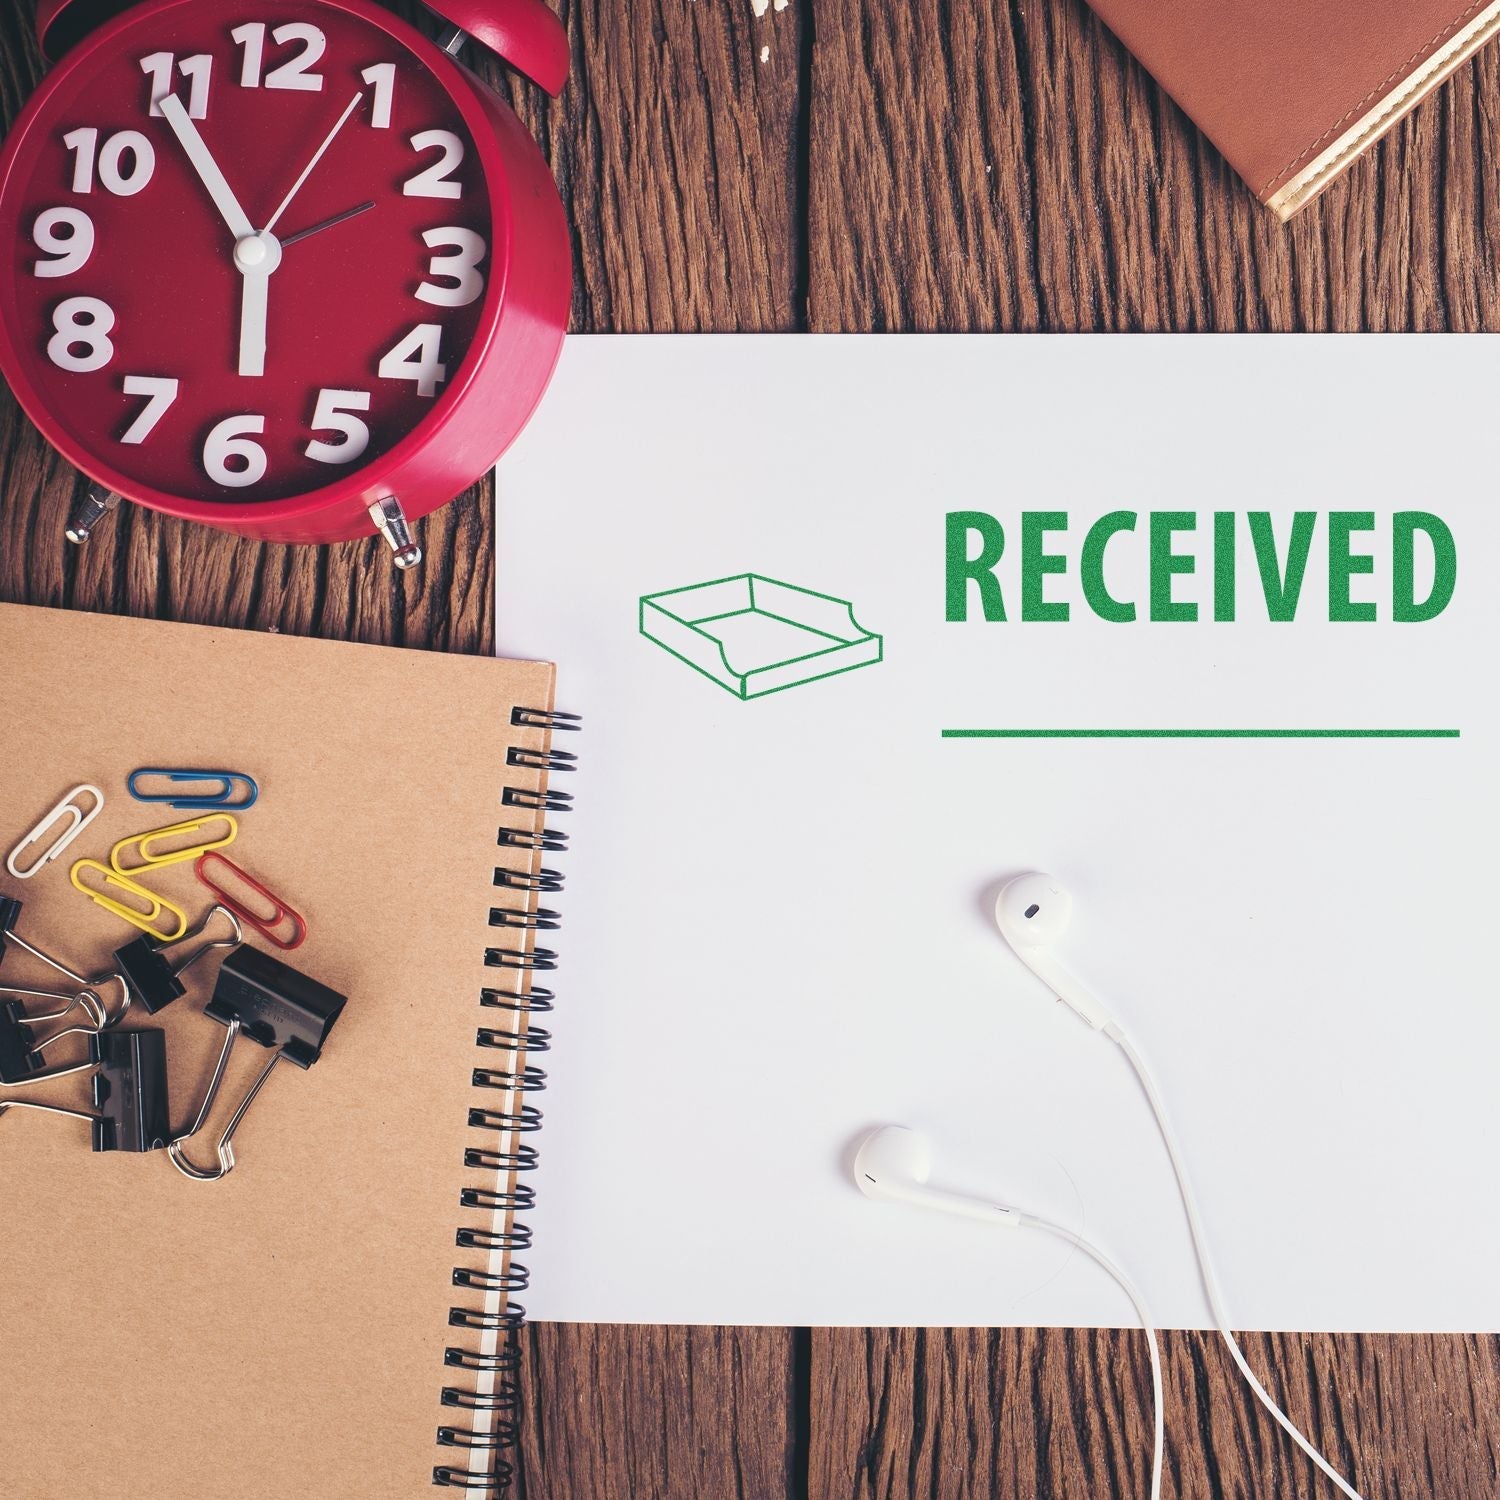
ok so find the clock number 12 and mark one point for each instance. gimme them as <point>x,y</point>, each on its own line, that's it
<point>296,72</point>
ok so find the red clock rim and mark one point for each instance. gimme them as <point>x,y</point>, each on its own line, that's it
<point>367,483</point>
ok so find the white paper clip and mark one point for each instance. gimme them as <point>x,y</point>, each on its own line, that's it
<point>78,820</point>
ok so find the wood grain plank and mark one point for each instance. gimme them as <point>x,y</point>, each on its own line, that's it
<point>677,151</point>
<point>989,166</point>
<point>657,1413</point>
<point>977,165</point>
<point>1037,1413</point>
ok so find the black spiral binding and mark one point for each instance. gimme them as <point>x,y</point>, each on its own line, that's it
<point>516,1041</point>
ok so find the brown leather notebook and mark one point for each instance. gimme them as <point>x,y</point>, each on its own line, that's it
<point>1293,91</point>
<point>296,1328</point>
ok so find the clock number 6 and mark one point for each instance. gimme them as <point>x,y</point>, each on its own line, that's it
<point>82,323</point>
<point>230,440</point>
<point>335,414</point>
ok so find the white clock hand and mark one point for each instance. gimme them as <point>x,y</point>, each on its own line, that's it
<point>176,115</point>
<point>256,258</point>
<point>322,151</point>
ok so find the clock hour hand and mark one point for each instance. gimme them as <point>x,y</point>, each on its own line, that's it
<point>197,152</point>
<point>255,257</point>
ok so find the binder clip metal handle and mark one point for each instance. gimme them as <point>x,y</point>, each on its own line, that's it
<point>20,1052</point>
<point>275,1006</point>
<point>10,913</point>
<point>224,1151</point>
<point>143,968</point>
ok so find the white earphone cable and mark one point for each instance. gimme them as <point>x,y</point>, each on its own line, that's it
<point>1205,1268</point>
<point>1031,1221</point>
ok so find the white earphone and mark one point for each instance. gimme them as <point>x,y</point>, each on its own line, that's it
<point>894,1163</point>
<point>1033,912</point>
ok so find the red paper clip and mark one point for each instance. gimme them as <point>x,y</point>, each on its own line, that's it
<point>267,925</point>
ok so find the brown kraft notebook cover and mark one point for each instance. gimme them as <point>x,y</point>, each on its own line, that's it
<point>283,1331</point>
<point>1293,91</point>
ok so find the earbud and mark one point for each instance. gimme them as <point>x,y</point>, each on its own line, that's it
<point>1032,912</point>
<point>894,1163</point>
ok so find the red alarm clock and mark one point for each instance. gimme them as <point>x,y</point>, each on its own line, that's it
<point>283,267</point>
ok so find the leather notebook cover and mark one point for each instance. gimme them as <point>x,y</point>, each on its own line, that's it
<point>283,1331</point>
<point>1293,91</point>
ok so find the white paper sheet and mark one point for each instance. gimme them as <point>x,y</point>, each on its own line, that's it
<point>777,916</point>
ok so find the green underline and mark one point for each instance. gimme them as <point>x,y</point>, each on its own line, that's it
<point>1200,734</point>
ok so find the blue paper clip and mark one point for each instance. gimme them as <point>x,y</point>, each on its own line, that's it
<point>221,799</point>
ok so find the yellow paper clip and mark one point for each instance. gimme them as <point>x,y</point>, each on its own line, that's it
<point>154,905</point>
<point>144,844</point>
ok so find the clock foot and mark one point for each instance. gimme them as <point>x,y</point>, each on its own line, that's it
<point>96,503</point>
<point>390,521</point>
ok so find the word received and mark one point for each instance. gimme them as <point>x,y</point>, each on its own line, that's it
<point>1163,565</point>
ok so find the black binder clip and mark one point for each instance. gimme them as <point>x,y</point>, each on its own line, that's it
<point>273,1004</point>
<point>130,1091</point>
<point>20,1053</point>
<point>10,913</point>
<point>152,978</point>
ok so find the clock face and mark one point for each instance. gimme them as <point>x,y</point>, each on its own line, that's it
<point>247,247</point>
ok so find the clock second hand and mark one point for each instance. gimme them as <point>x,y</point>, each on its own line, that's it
<point>337,219</point>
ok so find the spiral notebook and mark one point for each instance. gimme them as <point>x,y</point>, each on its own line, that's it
<point>335,1317</point>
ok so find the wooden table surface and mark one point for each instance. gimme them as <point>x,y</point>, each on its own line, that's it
<point>938,164</point>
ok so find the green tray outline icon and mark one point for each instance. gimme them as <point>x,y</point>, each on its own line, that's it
<point>677,631</point>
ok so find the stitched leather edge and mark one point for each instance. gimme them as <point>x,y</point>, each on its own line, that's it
<point>1294,193</point>
<point>1396,74</point>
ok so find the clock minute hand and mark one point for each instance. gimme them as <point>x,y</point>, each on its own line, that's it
<point>197,152</point>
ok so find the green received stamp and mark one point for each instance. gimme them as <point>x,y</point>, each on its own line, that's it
<point>754,635</point>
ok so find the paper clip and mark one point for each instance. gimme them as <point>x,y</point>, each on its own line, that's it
<point>220,800</point>
<point>149,976</point>
<point>78,820</point>
<point>130,1091</point>
<point>144,843</point>
<point>268,924</point>
<point>273,1004</point>
<point>154,905</point>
